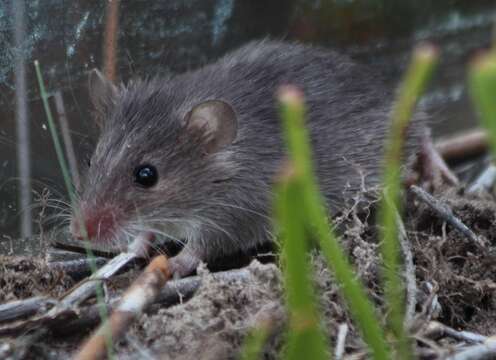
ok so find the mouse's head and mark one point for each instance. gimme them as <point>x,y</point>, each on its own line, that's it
<point>161,159</point>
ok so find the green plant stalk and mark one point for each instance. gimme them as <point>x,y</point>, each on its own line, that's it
<point>482,82</point>
<point>70,189</point>
<point>305,337</point>
<point>292,111</point>
<point>254,342</point>
<point>413,85</point>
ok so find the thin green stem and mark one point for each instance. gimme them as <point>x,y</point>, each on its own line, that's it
<point>70,190</point>
<point>254,342</point>
<point>482,81</point>
<point>413,85</point>
<point>305,337</point>
<point>293,113</point>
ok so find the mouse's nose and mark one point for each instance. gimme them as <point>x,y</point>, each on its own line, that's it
<point>99,225</point>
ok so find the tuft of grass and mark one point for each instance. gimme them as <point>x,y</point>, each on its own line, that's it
<point>482,83</point>
<point>72,196</point>
<point>415,80</point>
<point>314,213</point>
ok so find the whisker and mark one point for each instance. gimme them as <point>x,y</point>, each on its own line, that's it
<point>238,207</point>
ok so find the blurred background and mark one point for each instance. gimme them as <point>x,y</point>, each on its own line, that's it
<point>158,37</point>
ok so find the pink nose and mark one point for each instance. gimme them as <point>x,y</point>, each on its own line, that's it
<point>99,225</point>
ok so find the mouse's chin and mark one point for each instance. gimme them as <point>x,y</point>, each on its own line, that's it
<point>116,240</point>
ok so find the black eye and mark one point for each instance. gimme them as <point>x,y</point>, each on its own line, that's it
<point>88,162</point>
<point>146,175</point>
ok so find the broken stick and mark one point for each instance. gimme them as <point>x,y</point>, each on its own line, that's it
<point>485,181</point>
<point>486,350</point>
<point>445,213</point>
<point>70,320</point>
<point>462,146</point>
<point>136,300</point>
<point>87,288</point>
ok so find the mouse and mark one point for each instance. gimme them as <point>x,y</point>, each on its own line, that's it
<point>192,157</point>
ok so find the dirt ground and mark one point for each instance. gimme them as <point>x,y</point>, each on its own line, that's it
<point>455,281</point>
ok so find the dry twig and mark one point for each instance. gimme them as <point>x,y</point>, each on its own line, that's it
<point>70,319</point>
<point>433,166</point>
<point>445,213</point>
<point>341,341</point>
<point>484,182</point>
<point>486,350</point>
<point>431,307</point>
<point>88,287</point>
<point>76,295</point>
<point>462,146</point>
<point>411,281</point>
<point>137,298</point>
<point>19,309</point>
<point>110,40</point>
<point>77,268</point>
<point>437,330</point>
<point>175,291</point>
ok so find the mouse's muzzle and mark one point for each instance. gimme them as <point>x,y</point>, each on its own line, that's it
<point>94,224</point>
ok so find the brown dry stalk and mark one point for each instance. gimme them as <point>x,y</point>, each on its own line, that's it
<point>137,298</point>
<point>66,136</point>
<point>461,146</point>
<point>110,40</point>
<point>432,164</point>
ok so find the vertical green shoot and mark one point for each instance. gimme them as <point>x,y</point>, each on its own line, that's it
<point>255,341</point>
<point>70,190</point>
<point>413,84</point>
<point>305,337</point>
<point>482,81</point>
<point>292,111</point>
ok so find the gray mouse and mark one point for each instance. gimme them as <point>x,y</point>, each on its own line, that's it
<point>193,157</point>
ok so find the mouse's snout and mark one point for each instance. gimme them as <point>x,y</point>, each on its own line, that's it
<point>100,224</point>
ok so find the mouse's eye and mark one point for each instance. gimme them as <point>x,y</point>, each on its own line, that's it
<point>146,175</point>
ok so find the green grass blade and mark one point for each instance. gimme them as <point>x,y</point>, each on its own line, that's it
<point>305,337</point>
<point>293,112</point>
<point>413,85</point>
<point>53,132</point>
<point>482,81</point>
<point>70,190</point>
<point>255,341</point>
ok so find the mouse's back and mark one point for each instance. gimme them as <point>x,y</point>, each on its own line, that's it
<point>348,111</point>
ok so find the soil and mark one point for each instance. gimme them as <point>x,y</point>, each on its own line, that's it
<point>455,282</point>
<point>24,277</point>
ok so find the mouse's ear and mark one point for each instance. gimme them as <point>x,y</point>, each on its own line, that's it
<point>102,93</point>
<point>216,120</point>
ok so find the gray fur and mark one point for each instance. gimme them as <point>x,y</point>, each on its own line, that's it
<point>221,201</point>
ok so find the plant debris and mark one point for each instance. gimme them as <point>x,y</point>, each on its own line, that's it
<point>454,300</point>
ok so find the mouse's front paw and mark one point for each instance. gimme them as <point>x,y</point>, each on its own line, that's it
<point>183,264</point>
